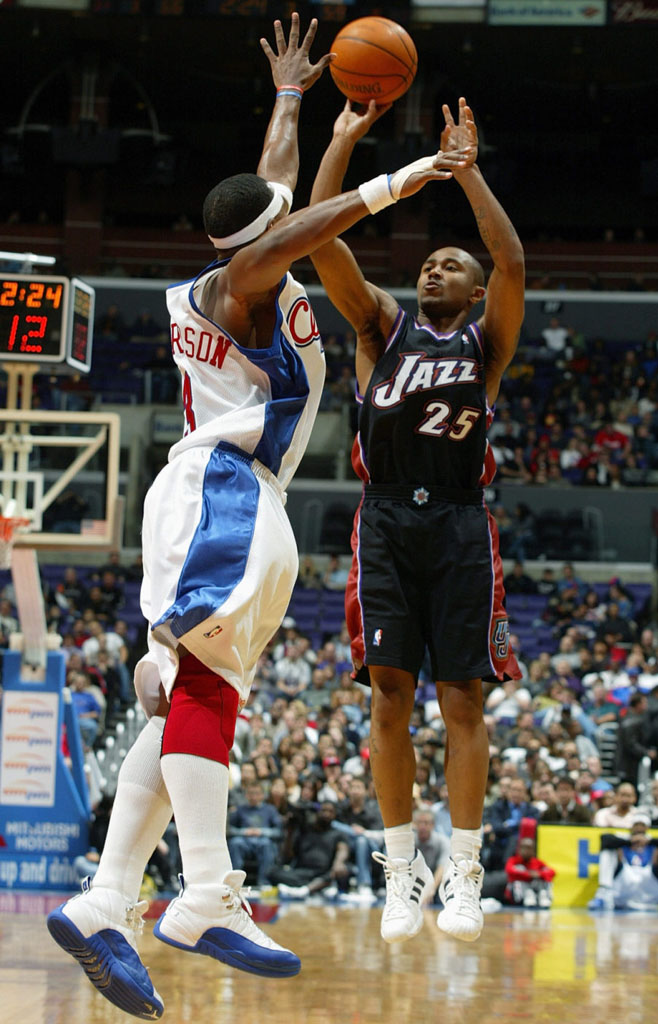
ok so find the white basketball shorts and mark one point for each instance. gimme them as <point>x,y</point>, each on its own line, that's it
<point>220,563</point>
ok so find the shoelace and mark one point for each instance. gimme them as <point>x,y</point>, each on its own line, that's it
<point>397,881</point>
<point>466,892</point>
<point>134,918</point>
<point>237,899</point>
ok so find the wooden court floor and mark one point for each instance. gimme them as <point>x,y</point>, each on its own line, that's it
<point>562,966</point>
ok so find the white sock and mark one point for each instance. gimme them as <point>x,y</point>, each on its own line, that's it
<point>400,841</point>
<point>465,843</point>
<point>140,815</point>
<point>198,789</point>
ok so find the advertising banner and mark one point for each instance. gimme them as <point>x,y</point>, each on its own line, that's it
<point>633,12</point>
<point>44,798</point>
<point>29,746</point>
<point>547,12</point>
<point>574,853</point>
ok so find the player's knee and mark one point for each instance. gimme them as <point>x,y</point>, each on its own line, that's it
<point>392,701</point>
<point>202,714</point>
<point>461,705</point>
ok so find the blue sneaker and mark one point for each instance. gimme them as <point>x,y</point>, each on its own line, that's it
<point>215,920</point>
<point>604,900</point>
<point>99,928</point>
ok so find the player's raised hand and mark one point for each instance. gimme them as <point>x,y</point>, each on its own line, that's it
<point>354,124</point>
<point>291,64</point>
<point>462,135</point>
<point>410,179</point>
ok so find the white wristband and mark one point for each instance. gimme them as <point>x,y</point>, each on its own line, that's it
<point>376,193</point>
<point>420,166</point>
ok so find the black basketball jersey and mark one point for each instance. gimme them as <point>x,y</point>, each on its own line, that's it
<point>424,417</point>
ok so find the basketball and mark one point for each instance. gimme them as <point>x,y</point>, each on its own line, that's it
<point>375,60</point>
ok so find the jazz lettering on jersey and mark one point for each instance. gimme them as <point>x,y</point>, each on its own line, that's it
<point>415,372</point>
<point>202,345</point>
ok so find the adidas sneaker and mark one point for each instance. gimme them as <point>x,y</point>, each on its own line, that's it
<point>460,892</point>
<point>409,884</point>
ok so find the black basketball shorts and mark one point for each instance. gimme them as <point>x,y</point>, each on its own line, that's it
<point>427,574</point>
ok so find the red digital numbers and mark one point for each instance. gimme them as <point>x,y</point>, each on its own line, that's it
<point>27,340</point>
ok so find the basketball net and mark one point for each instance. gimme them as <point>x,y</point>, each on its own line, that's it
<point>8,527</point>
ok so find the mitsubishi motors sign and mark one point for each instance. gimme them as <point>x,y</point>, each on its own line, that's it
<point>635,12</point>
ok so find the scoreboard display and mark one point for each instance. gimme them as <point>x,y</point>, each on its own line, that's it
<point>46,319</point>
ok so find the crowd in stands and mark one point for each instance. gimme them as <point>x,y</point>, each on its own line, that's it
<point>303,814</point>
<point>572,411</point>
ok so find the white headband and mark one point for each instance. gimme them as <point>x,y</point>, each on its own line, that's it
<point>282,196</point>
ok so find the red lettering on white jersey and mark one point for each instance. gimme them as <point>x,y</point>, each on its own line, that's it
<point>301,322</point>
<point>219,355</point>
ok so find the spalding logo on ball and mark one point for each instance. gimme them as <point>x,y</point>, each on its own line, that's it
<point>375,60</point>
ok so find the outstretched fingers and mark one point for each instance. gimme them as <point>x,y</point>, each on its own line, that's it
<point>310,34</point>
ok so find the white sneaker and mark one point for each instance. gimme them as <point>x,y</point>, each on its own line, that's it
<point>530,898</point>
<point>604,900</point>
<point>99,927</point>
<point>293,892</point>
<point>460,894</point>
<point>216,920</point>
<point>408,886</point>
<point>545,899</point>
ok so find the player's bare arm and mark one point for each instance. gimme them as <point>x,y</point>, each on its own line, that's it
<point>290,65</point>
<point>259,266</point>
<point>504,305</point>
<point>370,310</point>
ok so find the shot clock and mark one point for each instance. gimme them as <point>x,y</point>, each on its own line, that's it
<point>46,319</point>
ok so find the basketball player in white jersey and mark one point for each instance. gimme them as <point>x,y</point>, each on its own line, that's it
<point>220,559</point>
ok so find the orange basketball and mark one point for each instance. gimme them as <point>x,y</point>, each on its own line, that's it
<point>375,60</point>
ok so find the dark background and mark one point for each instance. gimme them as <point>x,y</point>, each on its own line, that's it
<point>568,118</point>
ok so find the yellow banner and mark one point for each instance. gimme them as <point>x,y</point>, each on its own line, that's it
<point>573,851</point>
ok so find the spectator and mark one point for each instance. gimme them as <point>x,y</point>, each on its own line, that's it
<point>555,337</point>
<point>601,707</point>
<point>518,582</point>
<point>628,869</point>
<point>86,864</point>
<point>319,693</point>
<point>503,821</point>
<point>331,788</point>
<point>434,846</point>
<point>547,584</point>
<point>8,622</point>
<point>614,629</point>
<point>255,830</point>
<point>335,576</point>
<point>529,878</point>
<point>566,810</point>
<point>364,831</point>
<point>87,706</point>
<point>441,812</point>
<point>292,672</point>
<point>620,813</point>
<point>633,739</point>
<point>71,590</point>
<point>315,854</point>
<point>309,576</point>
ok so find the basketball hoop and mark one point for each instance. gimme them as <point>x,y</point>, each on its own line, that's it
<point>8,527</point>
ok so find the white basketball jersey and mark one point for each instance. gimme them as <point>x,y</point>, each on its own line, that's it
<point>263,401</point>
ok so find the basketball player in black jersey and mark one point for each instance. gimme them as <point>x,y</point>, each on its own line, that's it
<point>426,570</point>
